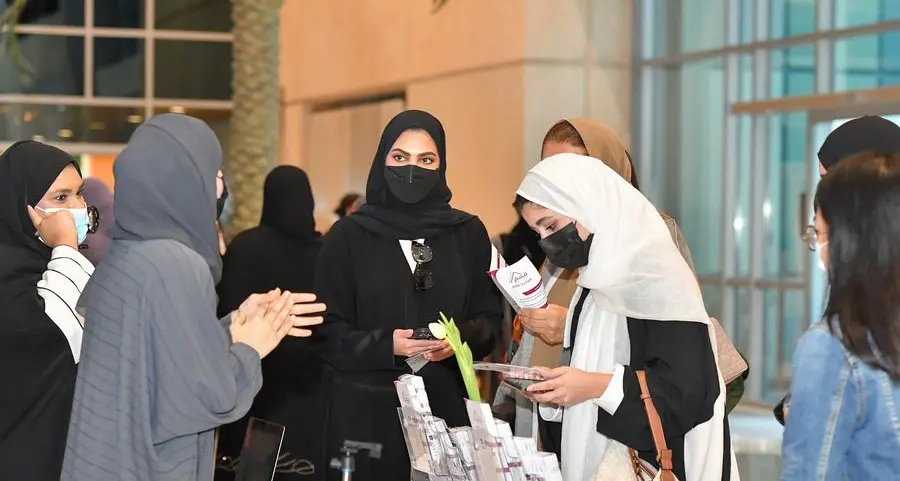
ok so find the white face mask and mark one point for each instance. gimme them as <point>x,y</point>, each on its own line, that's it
<point>819,247</point>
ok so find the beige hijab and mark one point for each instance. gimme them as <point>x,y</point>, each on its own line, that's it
<point>602,143</point>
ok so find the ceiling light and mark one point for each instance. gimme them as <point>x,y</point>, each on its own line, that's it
<point>135,119</point>
<point>177,109</point>
<point>64,133</point>
<point>97,125</point>
<point>37,138</point>
<point>27,117</point>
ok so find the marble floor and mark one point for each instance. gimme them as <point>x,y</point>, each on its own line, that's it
<point>756,437</point>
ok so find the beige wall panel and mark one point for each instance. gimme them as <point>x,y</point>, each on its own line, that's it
<point>610,99</point>
<point>338,152</point>
<point>611,31</point>
<point>598,30</point>
<point>293,123</point>
<point>328,161</point>
<point>482,114</point>
<point>552,92</point>
<point>340,48</point>
<point>556,29</point>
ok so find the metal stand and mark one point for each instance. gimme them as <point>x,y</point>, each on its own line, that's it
<point>346,464</point>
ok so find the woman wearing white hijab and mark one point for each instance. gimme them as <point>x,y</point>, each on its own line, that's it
<point>637,308</point>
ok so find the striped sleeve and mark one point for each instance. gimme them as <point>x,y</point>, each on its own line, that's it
<point>67,273</point>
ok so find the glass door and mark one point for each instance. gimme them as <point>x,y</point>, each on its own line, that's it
<point>767,281</point>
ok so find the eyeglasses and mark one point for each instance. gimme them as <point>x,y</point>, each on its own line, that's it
<point>810,237</point>
<point>93,219</point>
<point>422,254</point>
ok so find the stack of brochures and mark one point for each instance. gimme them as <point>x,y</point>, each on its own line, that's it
<point>486,451</point>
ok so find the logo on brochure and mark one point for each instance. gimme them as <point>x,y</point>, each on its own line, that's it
<point>515,277</point>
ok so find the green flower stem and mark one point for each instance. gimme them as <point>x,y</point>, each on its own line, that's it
<point>463,357</point>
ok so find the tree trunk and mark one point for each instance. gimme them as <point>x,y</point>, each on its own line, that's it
<point>254,130</point>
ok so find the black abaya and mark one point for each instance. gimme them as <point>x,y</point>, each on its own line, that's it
<point>36,364</point>
<point>367,283</point>
<point>280,252</point>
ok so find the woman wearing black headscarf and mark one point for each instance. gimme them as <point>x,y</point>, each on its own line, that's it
<point>41,279</point>
<point>279,253</point>
<point>391,267</point>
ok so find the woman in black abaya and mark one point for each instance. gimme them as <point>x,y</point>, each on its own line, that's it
<point>393,266</point>
<point>279,253</point>
<point>43,220</point>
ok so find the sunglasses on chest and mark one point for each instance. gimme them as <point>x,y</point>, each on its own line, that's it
<point>422,255</point>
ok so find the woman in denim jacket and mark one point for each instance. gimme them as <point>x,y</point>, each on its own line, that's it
<point>845,398</point>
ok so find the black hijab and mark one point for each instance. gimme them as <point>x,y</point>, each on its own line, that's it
<point>36,363</point>
<point>288,203</point>
<point>861,134</point>
<point>166,186</point>
<point>27,170</point>
<point>385,214</point>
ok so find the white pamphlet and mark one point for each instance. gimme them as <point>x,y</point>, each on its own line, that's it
<point>521,285</point>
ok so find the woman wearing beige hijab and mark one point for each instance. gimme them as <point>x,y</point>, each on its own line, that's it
<point>544,328</point>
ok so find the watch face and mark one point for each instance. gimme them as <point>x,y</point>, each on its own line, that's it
<point>93,219</point>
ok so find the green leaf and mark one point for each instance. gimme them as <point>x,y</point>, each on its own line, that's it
<point>9,40</point>
<point>463,356</point>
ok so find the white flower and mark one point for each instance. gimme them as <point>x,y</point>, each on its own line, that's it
<point>437,330</point>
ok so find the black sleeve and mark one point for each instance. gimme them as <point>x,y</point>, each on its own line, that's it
<point>485,311</point>
<point>338,340</point>
<point>681,374</point>
<point>235,286</point>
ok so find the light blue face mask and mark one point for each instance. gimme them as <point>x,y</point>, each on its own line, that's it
<point>82,220</point>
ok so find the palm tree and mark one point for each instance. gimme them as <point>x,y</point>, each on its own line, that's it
<point>254,137</point>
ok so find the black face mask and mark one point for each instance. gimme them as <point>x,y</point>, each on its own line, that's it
<point>220,202</point>
<point>566,249</point>
<point>411,183</point>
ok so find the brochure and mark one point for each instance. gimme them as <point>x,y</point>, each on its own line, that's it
<point>521,285</point>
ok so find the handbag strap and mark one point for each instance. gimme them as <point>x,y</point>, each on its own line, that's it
<point>663,453</point>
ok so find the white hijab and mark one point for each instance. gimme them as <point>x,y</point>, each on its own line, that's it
<point>634,270</point>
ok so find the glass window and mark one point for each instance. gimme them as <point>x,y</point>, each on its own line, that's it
<point>683,26</point>
<point>202,15</point>
<point>63,123</point>
<point>119,13</point>
<point>746,20</point>
<point>702,25</point>
<point>853,13</point>
<point>57,12</point>
<point>192,70</point>
<point>210,116</point>
<point>793,71</point>
<point>866,61</point>
<point>742,175</point>
<point>57,63</point>
<point>689,136</point>
<point>118,67</point>
<point>742,333</point>
<point>784,324</point>
<point>785,198</point>
<point>791,17</point>
<point>712,297</point>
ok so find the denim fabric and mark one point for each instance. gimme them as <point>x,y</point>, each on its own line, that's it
<point>844,418</point>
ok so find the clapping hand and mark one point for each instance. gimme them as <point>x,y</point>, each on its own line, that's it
<point>264,329</point>
<point>302,306</point>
